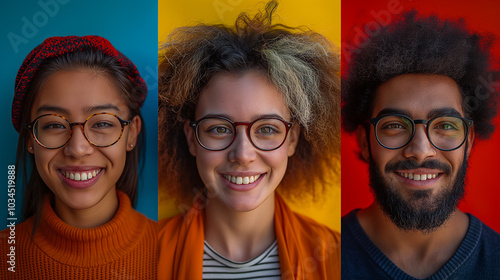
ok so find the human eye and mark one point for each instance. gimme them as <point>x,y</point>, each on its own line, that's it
<point>391,126</point>
<point>394,125</point>
<point>53,126</point>
<point>218,130</point>
<point>103,125</point>
<point>446,126</point>
<point>267,130</point>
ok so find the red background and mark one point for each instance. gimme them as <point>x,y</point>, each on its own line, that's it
<point>483,189</point>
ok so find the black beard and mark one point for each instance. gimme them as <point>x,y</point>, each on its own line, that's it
<point>421,212</point>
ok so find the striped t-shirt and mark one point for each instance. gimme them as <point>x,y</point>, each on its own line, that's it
<point>265,266</point>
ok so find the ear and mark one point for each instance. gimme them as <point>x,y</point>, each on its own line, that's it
<point>470,139</point>
<point>362,143</point>
<point>29,144</point>
<point>294,139</point>
<point>134,128</point>
<point>190,137</point>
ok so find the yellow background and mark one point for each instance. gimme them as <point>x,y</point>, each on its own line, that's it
<point>322,16</point>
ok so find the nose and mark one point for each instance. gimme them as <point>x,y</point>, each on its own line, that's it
<point>419,148</point>
<point>78,146</point>
<point>242,150</point>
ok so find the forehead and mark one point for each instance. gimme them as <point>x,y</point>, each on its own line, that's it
<point>241,97</point>
<point>418,94</point>
<point>75,93</point>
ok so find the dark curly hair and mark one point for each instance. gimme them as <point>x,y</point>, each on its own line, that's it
<point>302,65</point>
<point>425,45</point>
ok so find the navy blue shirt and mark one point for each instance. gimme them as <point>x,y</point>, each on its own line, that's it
<point>478,256</point>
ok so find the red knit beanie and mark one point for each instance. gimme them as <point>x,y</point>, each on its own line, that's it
<point>57,46</point>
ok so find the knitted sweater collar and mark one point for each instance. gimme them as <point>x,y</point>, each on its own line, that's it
<point>86,247</point>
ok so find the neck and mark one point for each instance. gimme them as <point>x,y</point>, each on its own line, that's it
<point>239,236</point>
<point>418,253</point>
<point>91,217</point>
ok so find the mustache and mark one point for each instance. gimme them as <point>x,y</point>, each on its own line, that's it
<point>411,164</point>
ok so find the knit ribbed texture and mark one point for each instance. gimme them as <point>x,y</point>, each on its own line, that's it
<point>474,259</point>
<point>123,248</point>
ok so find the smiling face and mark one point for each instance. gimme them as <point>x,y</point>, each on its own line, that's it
<point>80,175</point>
<point>418,185</point>
<point>241,177</point>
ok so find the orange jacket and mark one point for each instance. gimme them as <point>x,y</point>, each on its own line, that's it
<point>307,250</point>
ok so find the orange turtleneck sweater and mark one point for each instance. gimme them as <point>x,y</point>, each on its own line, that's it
<point>124,248</point>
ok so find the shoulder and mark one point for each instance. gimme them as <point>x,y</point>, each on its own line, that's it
<point>294,228</point>
<point>350,217</point>
<point>181,225</point>
<point>145,222</point>
<point>489,238</point>
<point>489,235</point>
<point>310,227</point>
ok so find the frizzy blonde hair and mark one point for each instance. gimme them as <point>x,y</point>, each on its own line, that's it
<point>300,63</point>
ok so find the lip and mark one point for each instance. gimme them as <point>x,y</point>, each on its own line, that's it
<point>79,184</point>
<point>426,184</point>
<point>242,187</point>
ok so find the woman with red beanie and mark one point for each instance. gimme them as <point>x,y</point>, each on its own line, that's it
<point>77,110</point>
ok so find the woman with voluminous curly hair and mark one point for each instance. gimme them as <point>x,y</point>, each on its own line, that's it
<point>246,112</point>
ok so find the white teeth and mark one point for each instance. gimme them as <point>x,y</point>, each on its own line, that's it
<point>83,176</point>
<point>418,177</point>
<point>242,180</point>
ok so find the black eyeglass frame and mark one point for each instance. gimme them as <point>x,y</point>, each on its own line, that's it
<point>248,125</point>
<point>468,123</point>
<point>31,127</point>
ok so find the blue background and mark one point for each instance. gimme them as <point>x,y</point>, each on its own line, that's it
<point>131,26</point>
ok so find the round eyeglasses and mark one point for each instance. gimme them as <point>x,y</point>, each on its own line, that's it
<point>218,133</point>
<point>446,133</point>
<point>53,131</point>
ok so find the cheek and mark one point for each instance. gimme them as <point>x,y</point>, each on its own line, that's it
<point>116,155</point>
<point>381,156</point>
<point>43,160</point>
<point>208,161</point>
<point>277,161</point>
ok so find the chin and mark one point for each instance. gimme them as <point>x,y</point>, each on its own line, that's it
<point>243,204</point>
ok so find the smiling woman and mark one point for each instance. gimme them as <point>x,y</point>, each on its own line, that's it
<point>77,110</point>
<point>246,112</point>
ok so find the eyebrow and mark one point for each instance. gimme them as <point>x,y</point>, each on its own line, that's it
<point>447,111</point>
<point>253,117</point>
<point>63,111</point>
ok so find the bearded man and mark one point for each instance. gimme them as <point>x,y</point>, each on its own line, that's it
<point>411,96</point>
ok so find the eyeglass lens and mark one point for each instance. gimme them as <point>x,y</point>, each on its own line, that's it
<point>218,134</point>
<point>54,131</point>
<point>445,132</point>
